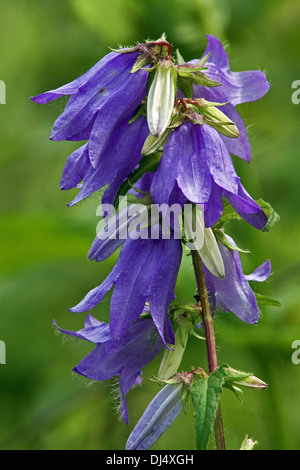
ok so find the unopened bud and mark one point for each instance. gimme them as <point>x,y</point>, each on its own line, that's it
<point>219,121</point>
<point>248,444</point>
<point>161,97</point>
<point>244,379</point>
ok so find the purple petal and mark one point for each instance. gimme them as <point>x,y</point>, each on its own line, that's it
<point>261,273</point>
<point>120,158</point>
<point>239,87</point>
<point>94,331</point>
<point>122,103</point>
<point>247,208</point>
<point>124,358</point>
<point>232,293</point>
<point>159,415</point>
<point>237,146</point>
<point>183,161</point>
<point>96,295</point>
<point>76,167</point>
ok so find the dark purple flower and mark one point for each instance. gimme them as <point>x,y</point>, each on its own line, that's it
<point>196,160</point>
<point>100,100</point>
<point>146,271</point>
<point>122,154</point>
<point>159,415</point>
<point>124,357</point>
<point>236,88</point>
<point>233,293</point>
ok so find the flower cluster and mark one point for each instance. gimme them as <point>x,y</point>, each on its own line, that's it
<point>161,130</point>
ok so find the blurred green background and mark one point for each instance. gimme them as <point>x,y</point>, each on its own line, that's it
<point>43,264</point>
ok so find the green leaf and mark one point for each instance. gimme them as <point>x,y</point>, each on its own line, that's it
<point>206,395</point>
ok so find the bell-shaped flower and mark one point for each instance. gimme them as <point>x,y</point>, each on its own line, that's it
<point>236,88</point>
<point>146,271</point>
<point>233,293</point>
<point>122,154</point>
<point>124,357</point>
<point>159,415</point>
<point>196,162</point>
<point>99,101</point>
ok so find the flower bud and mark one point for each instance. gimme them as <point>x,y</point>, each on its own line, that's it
<point>248,444</point>
<point>245,379</point>
<point>219,121</point>
<point>161,97</point>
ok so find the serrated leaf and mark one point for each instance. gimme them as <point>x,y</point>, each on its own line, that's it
<point>206,395</point>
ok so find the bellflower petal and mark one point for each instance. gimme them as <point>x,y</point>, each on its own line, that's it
<point>239,87</point>
<point>76,168</point>
<point>160,414</point>
<point>197,160</point>
<point>113,357</point>
<point>145,271</point>
<point>121,156</point>
<point>233,293</point>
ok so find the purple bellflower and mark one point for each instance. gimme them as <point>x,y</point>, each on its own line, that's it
<point>236,88</point>
<point>122,154</point>
<point>146,271</point>
<point>113,357</point>
<point>100,100</point>
<point>233,293</point>
<point>196,161</point>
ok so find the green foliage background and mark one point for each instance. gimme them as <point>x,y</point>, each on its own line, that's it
<point>43,264</point>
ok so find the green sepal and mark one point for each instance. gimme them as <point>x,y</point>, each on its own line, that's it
<point>220,235</point>
<point>265,300</point>
<point>229,214</point>
<point>248,444</point>
<point>273,217</point>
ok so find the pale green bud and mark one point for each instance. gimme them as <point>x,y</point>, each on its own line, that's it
<point>219,121</point>
<point>161,97</point>
<point>171,359</point>
<point>248,444</point>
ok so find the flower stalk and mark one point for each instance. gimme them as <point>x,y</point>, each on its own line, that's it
<point>210,340</point>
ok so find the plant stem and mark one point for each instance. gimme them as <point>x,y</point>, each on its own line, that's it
<point>210,339</point>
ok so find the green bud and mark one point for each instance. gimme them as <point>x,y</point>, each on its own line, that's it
<point>248,444</point>
<point>244,379</point>
<point>161,97</point>
<point>219,121</point>
<point>171,359</point>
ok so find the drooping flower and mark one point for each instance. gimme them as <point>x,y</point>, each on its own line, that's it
<point>146,271</point>
<point>122,154</point>
<point>196,161</point>
<point>124,357</point>
<point>233,293</point>
<point>236,88</point>
<point>99,101</point>
<point>159,415</point>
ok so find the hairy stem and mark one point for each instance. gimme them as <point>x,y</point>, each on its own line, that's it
<point>210,339</point>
